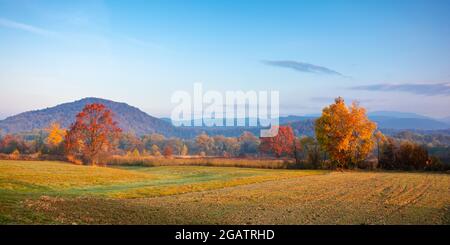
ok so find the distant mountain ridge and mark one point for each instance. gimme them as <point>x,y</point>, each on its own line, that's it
<point>129,118</point>
<point>389,120</point>
<point>405,120</point>
<point>445,120</point>
<point>409,123</point>
<point>396,114</point>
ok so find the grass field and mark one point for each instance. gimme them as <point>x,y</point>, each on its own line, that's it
<point>61,193</point>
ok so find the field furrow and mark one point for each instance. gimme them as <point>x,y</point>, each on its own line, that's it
<point>212,195</point>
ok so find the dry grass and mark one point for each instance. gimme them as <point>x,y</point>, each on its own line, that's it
<point>61,175</point>
<point>21,182</point>
<point>337,198</point>
<point>215,195</point>
<point>151,161</point>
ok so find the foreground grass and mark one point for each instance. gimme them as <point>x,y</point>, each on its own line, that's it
<point>50,192</point>
<point>63,179</point>
<point>24,181</point>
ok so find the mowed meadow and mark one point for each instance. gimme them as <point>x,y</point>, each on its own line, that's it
<point>44,192</point>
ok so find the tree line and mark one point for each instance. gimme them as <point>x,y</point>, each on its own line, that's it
<point>344,138</point>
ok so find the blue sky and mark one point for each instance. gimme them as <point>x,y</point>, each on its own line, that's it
<point>389,55</point>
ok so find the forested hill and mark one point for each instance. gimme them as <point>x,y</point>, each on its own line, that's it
<point>130,118</point>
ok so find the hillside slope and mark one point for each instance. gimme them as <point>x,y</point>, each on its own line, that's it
<point>130,118</point>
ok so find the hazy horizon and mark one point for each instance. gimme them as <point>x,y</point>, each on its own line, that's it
<point>168,116</point>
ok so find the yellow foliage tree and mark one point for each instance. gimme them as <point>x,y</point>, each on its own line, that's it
<point>345,133</point>
<point>136,153</point>
<point>184,150</point>
<point>55,134</point>
<point>155,151</point>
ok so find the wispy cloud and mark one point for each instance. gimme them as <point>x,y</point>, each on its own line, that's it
<point>302,67</point>
<point>414,88</point>
<point>25,27</point>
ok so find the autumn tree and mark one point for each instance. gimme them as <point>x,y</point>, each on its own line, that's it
<point>38,143</point>
<point>11,143</point>
<point>297,151</point>
<point>248,143</point>
<point>388,153</point>
<point>136,153</point>
<point>176,145</point>
<point>345,133</point>
<point>184,150</point>
<point>168,151</point>
<point>153,139</point>
<point>226,146</point>
<point>205,144</point>
<point>54,141</point>
<point>311,151</point>
<point>55,134</point>
<point>380,139</point>
<point>155,150</point>
<point>405,154</point>
<point>282,144</point>
<point>129,142</point>
<point>93,132</point>
<point>411,156</point>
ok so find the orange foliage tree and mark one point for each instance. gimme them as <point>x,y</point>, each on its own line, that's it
<point>345,133</point>
<point>283,143</point>
<point>93,132</point>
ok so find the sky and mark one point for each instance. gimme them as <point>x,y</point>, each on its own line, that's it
<point>388,55</point>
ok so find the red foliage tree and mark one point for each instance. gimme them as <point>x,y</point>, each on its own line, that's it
<point>281,144</point>
<point>93,132</point>
<point>168,151</point>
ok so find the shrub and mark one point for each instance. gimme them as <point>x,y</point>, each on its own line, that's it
<point>370,163</point>
<point>406,155</point>
<point>328,164</point>
<point>15,155</point>
<point>434,164</point>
